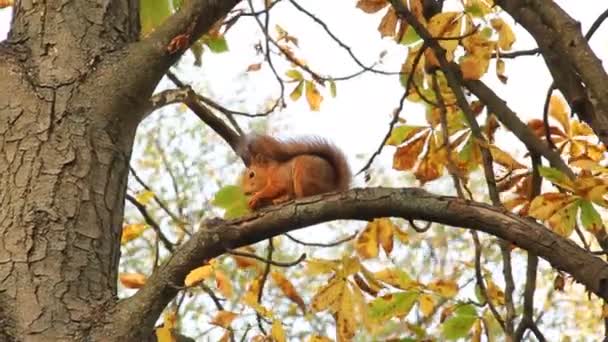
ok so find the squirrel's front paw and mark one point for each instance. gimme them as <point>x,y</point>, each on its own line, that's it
<point>253,202</point>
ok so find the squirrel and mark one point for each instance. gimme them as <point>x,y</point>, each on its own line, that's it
<point>281,170</point>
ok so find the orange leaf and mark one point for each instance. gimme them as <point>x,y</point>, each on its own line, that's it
<point>288,289</point>
<point>388,24</point>
<point>405,157</point>
<point>222,282</point>
<point>197,275</point>
<point>371,6</point>
<point>223,318</point>
<point>132,280</point>
<point>131,232</point>
<point>313,96</point>
<point>254,67</point>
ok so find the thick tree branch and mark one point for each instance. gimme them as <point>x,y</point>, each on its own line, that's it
<point>577,71</point>
<point>144,63</point>
<point>135,317</point>
<point>510,119</point>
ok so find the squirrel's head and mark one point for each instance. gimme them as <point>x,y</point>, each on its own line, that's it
<point>254,178</point>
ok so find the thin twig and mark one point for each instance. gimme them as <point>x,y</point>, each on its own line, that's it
<point>395,113</point>
<point>160,203</point>
<point>267,260</point>
<point>263,282</point>
<point>481,283</point>
<point>316,244</point>
<point>151,222</point>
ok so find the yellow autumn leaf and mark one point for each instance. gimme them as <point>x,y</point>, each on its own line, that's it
<point>164,334</point>
<point>496,295</point>
<point>546,205</point>
<point>581,129</point>
<point>559,111</point>
<point>346,323</point>
<point>476,337</point>
<point>170,319</point>
<point>506,37</point>
<point>426,304</point>
<point>446,25</point>
<point>362,311</point>
<point>367,242</point>
<point>385,234</point>
<point>444,287</point>
<point>396,278</point>
<point>197,275</point>
<point>500,70</point>
<point>288,289</point>
<point>503,158</point>
<point>317,338</point>
<point>251,300</point>
<point>131,232</point>
<point>473,67</point>
<point>277,332</point>
<point>350,265</point>
<point>223,284</point>
<point>605,310</point>
<point>313,96</point>
<point>321,266</point>
<point>328,297</point>
<point>144,197</point>
<point>132,280</point>
<point>223,318</point>
<point>564,220</point>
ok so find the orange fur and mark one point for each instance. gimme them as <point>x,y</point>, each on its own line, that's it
<point>279,171</point>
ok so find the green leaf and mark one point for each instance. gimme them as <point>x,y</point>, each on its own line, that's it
<point>410,36</point>
<point>556,177</point>
<point>403,133</point>
<point>216,44</point>
<point>297,91</point>
<point>332,88</point>
<point>459,325</point>
<point>395,304</point>
<point>232,199</point>
<point>152,13</point>
<point>294,74</point>
<point>591,219</point>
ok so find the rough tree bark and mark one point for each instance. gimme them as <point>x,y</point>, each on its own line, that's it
<point>72,97</point>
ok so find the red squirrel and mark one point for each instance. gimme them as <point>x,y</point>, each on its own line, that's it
<point>281,170</point>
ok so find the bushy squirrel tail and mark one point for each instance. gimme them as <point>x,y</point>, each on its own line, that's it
<point>283,150</point>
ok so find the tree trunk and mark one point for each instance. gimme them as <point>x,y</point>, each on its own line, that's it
<point>63,165</point>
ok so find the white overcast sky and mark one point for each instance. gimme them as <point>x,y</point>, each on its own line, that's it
<point>357,119</point>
